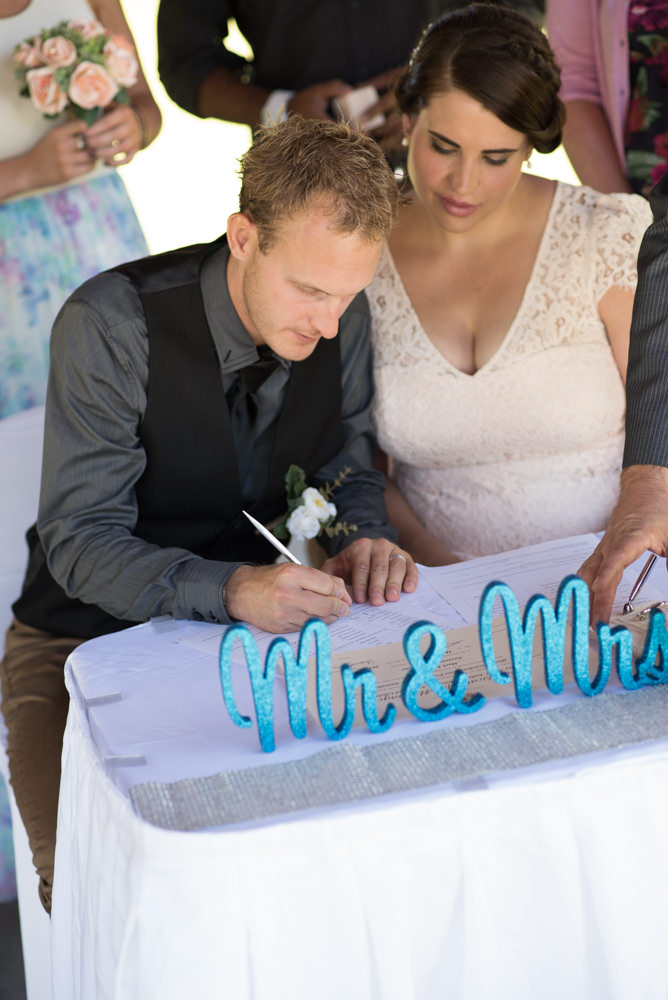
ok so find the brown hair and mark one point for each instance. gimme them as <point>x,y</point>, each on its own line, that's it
<point>497,56</point>
<point>300,161</point>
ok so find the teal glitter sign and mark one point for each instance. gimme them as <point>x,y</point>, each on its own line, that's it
<point>572,605</point>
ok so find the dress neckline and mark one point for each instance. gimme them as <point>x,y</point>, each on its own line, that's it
<point>559,188</point>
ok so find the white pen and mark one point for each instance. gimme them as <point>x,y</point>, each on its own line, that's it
<point>279,546</point>
<point>272,539</point>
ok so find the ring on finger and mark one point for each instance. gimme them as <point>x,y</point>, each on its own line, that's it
<point>80,142</point>
<point>115,142</point>
<point>396,555</point>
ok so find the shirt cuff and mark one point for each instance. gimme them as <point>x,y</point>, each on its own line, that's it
<point>202,591</point>
<point>275,108</point>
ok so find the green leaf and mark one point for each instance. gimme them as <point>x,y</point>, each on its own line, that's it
<point>89,115</point>
<point>62,75</point>
<point>295,482</point>
<point>640,162</point>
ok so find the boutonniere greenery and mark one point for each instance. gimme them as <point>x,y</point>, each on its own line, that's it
<point>310,511</point>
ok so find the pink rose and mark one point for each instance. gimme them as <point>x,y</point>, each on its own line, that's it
<point>28,55</point>
<point>91,86</point>
<point>46,94</point>
<point>88,29</point>
<point>121,60</point>
<point>59,51</point>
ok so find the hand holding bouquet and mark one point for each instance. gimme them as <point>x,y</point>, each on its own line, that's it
<point>76,65</point>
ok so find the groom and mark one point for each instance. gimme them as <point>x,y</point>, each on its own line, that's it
<point>182,388</point>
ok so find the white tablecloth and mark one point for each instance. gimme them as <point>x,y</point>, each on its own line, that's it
<point>549,882</point>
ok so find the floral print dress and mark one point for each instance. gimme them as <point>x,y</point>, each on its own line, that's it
<point>646,137</point>
<point>51,240</point>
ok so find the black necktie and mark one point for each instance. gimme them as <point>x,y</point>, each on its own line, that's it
<point>251,378</point>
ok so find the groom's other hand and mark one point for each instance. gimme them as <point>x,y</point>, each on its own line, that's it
<point>639,523</point>
<point>377,569</point>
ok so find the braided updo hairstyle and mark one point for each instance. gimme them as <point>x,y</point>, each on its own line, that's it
<point>497,56</point>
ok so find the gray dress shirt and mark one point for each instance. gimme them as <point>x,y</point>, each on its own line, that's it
<point>93,455</point>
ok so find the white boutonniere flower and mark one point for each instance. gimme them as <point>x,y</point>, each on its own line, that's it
<point>310,510</point>
<point>303,524</point>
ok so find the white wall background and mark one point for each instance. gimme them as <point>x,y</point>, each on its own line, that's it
<point>184,185</point>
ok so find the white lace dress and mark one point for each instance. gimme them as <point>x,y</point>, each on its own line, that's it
<point>529,447</point>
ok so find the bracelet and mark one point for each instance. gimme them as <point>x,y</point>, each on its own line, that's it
<point>275,108</point>
<point>142,126</point>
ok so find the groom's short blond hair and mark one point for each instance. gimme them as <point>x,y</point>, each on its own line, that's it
<point>303,161</point>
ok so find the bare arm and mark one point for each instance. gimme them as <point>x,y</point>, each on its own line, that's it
<point>591,149</point>
<point>223,95</point>
<point>413,536</point>
<point>573,31</point>
<point>129,128</point>
<point>615,310</point>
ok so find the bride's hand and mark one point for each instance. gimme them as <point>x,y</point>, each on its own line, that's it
<point>59,156</point>
<point>116,136</point>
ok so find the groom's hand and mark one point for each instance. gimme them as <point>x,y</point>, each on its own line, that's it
<point>281,597</point>
<point>377,569</point>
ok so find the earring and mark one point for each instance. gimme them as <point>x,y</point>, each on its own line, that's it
<point>404,141</point>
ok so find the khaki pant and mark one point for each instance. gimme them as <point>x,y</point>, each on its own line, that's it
<point>35,704</point>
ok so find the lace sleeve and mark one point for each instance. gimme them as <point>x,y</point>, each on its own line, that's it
<point>618,226</point>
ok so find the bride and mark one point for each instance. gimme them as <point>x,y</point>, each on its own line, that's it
<point>501,307</point>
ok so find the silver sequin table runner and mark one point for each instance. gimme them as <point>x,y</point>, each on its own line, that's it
<point>345,773</point>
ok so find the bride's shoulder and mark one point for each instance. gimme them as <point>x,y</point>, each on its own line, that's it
<point>587,200</point>
<point>537,193</point>
<point>605,217</point>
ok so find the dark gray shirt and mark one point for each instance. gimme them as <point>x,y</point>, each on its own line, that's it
<point>93,455</point>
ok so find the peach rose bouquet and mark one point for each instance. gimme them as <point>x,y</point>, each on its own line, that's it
<point>76,65</point>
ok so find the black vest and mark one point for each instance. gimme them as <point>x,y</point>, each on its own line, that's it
<point>189,494</point>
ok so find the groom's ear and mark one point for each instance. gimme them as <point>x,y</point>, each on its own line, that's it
<point>242,236</point>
